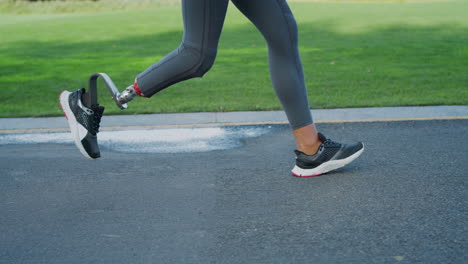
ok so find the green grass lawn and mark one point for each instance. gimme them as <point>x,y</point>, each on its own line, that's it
<point>354,55</point>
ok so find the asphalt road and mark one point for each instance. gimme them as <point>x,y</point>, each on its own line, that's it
<point>402,201</point>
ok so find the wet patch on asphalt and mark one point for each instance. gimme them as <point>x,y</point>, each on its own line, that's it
<point>173,140</point>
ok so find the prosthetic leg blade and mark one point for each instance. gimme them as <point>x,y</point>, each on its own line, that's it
<point>110,85</point>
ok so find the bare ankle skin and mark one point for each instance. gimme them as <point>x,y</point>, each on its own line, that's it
<point>307,139</point>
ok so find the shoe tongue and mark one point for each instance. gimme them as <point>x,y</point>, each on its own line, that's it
<point>322,137</point>
<point>297,152</point>
<point>98,109</point>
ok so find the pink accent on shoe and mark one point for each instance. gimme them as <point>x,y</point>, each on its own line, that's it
<point>305,176</point>
<point>61,106</point>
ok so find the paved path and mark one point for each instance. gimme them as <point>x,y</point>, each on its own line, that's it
<point>403,201</point>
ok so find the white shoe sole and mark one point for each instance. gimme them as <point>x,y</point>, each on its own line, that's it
<point>72,122</point>
<point>326,166</point>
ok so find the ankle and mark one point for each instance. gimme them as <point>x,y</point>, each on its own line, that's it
<point>309,149</point>
<point>307,139</point>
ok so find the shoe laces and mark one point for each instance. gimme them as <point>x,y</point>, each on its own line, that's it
<point>97,115</point>
<point>331,143</point>
<point>326,142</point>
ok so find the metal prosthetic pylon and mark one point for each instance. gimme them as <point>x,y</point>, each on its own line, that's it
<point>93,95</point>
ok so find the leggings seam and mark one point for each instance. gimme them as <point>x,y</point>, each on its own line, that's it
<point>163,85</point>
<point>155,68</point>
<point>202,51</point>
<point>203,48</point>
<point>296,62</point>
<point>205,17</point>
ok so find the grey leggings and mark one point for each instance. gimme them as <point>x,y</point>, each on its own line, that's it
<point>203,22</point>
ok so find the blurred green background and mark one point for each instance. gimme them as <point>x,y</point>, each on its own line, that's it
<point>354,53</point>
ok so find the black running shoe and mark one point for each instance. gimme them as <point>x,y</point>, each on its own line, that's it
<point>83,122</point>
<point>330,156</point>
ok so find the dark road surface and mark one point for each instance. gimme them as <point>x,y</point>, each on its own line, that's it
<point>403,201</point>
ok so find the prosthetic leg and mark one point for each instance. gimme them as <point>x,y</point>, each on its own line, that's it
<point>84,114</point>
<point>120,99</point>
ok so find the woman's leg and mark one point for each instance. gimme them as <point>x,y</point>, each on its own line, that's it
<point>316,154</point>
<point>203,22</point>
<point>276,22</point>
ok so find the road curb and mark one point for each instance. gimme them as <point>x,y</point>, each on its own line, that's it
<point>368,114</point>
